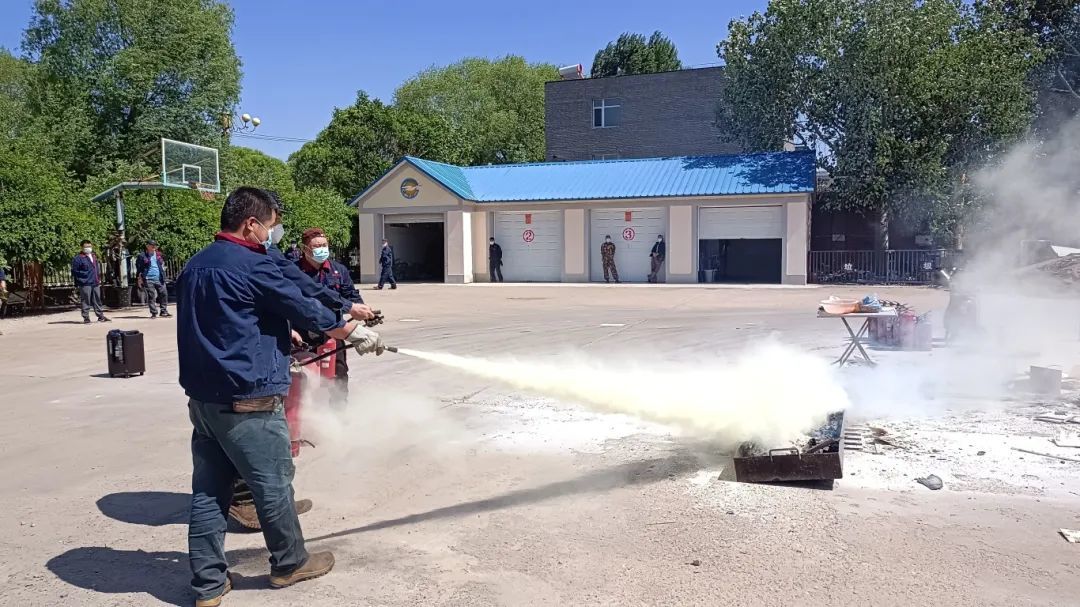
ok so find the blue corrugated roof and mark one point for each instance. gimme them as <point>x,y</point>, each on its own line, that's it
<point>767,173</point>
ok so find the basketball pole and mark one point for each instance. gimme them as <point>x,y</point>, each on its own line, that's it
<point>121,239</point>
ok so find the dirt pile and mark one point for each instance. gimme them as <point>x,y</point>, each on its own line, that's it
<point>1064,270</point>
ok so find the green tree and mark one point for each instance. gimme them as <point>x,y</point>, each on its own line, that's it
<point>495,107</point>
<point>902,99</point>
<point>310,207</point>
<point>633,54</point>
<point>1056,24</point>
<point>364,140</point>
<point>114,76</point>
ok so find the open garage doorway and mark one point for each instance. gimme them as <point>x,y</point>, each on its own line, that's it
<point>742,260</point>
<point>419,250</point>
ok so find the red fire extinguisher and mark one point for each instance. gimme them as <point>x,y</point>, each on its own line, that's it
<point>327,365</point>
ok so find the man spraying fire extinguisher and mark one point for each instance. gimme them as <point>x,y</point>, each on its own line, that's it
<point>316,263</point>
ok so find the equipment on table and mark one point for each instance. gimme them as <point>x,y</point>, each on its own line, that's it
<point>822,459</point>
<point>855,338</point>
<point>124,351</point>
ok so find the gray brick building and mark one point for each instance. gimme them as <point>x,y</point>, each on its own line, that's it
<point>639,116</point>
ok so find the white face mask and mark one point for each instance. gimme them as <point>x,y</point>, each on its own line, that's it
<point>277,233</point>
<point>88,250</point>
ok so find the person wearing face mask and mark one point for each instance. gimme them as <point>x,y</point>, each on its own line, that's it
<point>607,257</point>
<point>242,508</point>
<point>316,263</point>
<point>86,272</point>
<point>494,261</point>
<point>234,312</point>
<point>386,265</point>
<point>656,258</point>
<point>150,269</point>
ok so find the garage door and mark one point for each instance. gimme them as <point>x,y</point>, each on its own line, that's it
<point>532,244</point>
<point>633,231</point>
<point>725,223</point>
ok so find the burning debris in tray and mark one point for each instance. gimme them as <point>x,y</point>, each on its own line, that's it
<point>819,457</point>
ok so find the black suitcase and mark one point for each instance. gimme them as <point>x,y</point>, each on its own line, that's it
<point>124,349</point>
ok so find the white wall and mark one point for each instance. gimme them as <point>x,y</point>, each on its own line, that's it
<point>459,266</point>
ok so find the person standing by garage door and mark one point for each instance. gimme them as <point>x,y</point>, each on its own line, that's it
<point>656,257</point>
<point>386,265</point>
<point>607,257</point>
<point>494,261</point>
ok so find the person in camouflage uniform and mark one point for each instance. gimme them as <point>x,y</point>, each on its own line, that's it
<point>607,256</point>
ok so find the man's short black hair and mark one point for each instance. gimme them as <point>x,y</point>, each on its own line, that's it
<point>246,202</point>
<point>85,242</point>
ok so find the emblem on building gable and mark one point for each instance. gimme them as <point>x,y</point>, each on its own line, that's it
<point>410,188</point>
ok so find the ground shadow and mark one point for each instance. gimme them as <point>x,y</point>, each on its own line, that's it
<point>155,509</point>
<point>634,473</point>
<point>152,508</point>
<point>163,575</point>
<point>66,322</point>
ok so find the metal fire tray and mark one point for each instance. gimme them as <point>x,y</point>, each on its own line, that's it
<point>821,460</point>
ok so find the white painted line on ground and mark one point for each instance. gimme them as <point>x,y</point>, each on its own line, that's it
<point>409,320</point>
<point>613,324</point>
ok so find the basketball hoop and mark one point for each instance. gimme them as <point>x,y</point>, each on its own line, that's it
<point>206,195</point>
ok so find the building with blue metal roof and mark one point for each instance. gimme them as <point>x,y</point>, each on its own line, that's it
<point>734,218</point>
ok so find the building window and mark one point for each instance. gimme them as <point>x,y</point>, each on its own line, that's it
<point>605,156</point>
<point>606,113</point>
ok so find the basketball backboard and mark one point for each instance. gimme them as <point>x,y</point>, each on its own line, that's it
<point>188,165</point>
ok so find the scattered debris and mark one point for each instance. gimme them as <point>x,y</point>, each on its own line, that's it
<point>1072,440</point>
<point>981,453</point>
<point>1067,459</point>
<point>1071,535</point>
<point>1058,418</point>
<point>697,563</point>
<point>931,482</point>
<point>660,523</point>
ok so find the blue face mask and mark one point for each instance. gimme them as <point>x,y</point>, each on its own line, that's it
<point>320,254</point>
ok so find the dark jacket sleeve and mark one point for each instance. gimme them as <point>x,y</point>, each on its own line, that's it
<point>307,285</point>
<point>283,297</point>
<point>142,263</point>
<point>348,289</point>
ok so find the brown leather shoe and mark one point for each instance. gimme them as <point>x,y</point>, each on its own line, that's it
<point>244,513</point>
<point>318,564</point>
<point>214,602</point>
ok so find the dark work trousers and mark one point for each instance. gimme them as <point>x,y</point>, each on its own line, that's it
<point>254,446</point>
<point>90,297</point>
<point>157,296</point>
<point>387,276</point>
<point>495,271</point>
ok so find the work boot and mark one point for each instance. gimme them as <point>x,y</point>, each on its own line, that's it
<point>214,602</point>
<point>318,564</point>
<point>245,514</point>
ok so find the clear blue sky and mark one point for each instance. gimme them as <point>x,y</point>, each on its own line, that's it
<point>301,59</point>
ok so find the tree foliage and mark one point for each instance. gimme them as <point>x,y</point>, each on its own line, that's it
<point>114,76</point>
<point>496,108</point>
<point>363,140</point>
<point>1056,24</point>
<point>901,98</point>
<point>633,54</point>
<point>310,207</point>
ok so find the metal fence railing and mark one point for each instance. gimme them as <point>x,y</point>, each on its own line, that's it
<point>907,266</point>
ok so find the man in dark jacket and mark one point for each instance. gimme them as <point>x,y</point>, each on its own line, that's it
<point>233,338</point>
<point>150,269</point>
<point>86,272</point>
<point>386,265</point>
<point>494,261</point>
<point>656,258</point>
<point>316,263</point>
<point>242,508</point>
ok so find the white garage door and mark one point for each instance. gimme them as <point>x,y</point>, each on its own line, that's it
<point>724,223</point>
<point>633,231</point>
<point>532,244</point>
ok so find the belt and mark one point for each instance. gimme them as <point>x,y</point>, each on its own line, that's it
<point>262,403</point>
